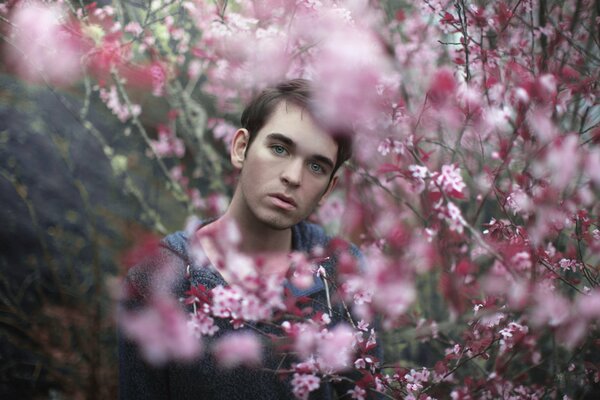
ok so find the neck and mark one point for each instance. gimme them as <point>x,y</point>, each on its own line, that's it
<point>256,237</point>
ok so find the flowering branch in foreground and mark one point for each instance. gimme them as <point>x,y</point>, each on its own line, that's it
<point>473,193</point>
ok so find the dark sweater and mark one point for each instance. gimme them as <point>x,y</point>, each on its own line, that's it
<point>203,379</point>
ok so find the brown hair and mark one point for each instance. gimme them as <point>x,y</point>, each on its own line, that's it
<point>298,92</point>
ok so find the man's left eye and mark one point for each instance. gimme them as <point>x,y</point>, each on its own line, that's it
<point>314,167</point>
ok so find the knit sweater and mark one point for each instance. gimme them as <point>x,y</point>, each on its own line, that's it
<point>203,379</point>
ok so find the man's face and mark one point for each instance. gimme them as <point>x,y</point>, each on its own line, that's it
<point>286,171</point>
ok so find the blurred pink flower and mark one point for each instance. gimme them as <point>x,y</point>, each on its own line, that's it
<point>450,181</point>
<point>551,308</point>
<point>336,348</point>
<point>167,145</point>
<point>442,87</point>
<point>44,46</point>
<point>161,331</point>
<point>351,65</point>
<point>113,102</point>
<point>588,305</point>
<point>357,393</point>
<point>303,384</point>
<point>238,348</point>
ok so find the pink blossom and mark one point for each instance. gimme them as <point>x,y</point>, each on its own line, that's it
<point>331,212</point>
<point>351,65</point>
<point>303,384</point>
<point>521,261</point>
<point>113,102</point>
<point>389,145</point>
<point>415,379</point>
<point>568,265</point>
<point>239,348</point>
<point>419,173</point>
<point>588,305</point>
<point>134,28</point>
<point>43,45</point>
<point>222,130</point>
<point>452,216</point>
<point>553,166</point>
<point>168,144</point>
<point>450,181</point>
<point>511,335</point>
<point>162,332</point>
<point>305,338</point>
<point>358,393</point>
<point>302,270</point>
<point>202,325</point>
<point>442,86</point>
<point>335,349</point>
<point>551,308</point>
<point>226,302</point>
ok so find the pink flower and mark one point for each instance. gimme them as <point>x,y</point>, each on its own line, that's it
<point>358,393</point>
<point>350,66</point>
<point>450,181</point>
<point>453,217</point>
<point>167,145</point>
<point>162,332</point>
<point>201,324</point>
<point>303,384</point>
<point>551,308</point>
<point>442,86</point>
<point>239,348</point>
<point>335,349</point>
<point>588,305</point>
<point>44,47</point>
<point>113,102</point>
<point>302,270</point>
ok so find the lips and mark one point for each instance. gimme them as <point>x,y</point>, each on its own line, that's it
<point>283,201</point>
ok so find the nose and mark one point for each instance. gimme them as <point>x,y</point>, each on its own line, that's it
<point>292,173</point>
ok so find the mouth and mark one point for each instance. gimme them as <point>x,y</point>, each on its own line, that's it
<point>283,201</point>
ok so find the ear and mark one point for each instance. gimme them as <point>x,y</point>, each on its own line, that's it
<point>239,145</point>
<point>329,189</point>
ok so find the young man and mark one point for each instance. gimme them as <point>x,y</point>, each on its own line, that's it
<point>287,165</point>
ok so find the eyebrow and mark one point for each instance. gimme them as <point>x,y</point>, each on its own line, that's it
<point>289,142</point>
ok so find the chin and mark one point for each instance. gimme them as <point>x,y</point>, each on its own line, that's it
<point>279,222</point>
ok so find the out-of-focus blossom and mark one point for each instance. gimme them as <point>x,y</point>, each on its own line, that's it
<point>442,87</point>
<point>588,305</point>
<point>162,332</point>
<point>222,130</point>
<point>120,109</point>
<point>453,217</point>
<point>450,181</point>
<point>357,393</point>
<point>168,144</point>
<point>416,379</point>
<point>45,44</point>
<point>302,270</point>
<point>303,384</point>
<point>202,325</point>
<point>238,348</point>
<point>551,308</point>
<point>351,65</point>
<point>335,349</point>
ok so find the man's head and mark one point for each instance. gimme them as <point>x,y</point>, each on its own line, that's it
<point>287,160</point>
<point>296,92</point>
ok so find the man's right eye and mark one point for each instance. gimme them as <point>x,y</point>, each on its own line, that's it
<point>278,149</point>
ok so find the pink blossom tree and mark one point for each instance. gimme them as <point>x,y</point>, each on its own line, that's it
<point>473,192</point>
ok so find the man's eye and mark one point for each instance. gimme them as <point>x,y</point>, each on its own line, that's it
<point>278,149</point>
<point>314,167</point>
